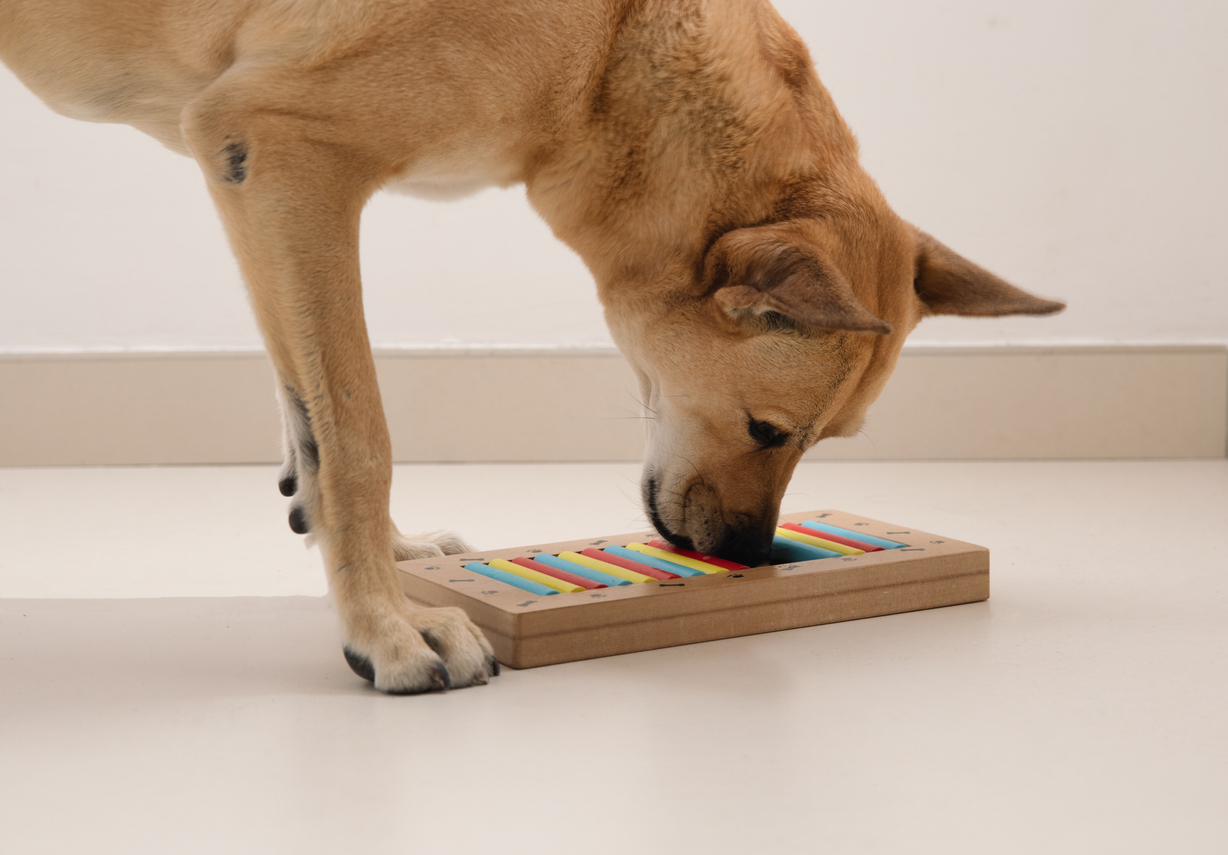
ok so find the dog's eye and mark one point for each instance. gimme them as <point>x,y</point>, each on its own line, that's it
<point>766,434</point>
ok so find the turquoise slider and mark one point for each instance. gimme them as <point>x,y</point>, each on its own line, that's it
<point>853,535</point>
<point>786,551</point>
<point>579,570</point>
<point>653,561</point>
<point>509,579</point>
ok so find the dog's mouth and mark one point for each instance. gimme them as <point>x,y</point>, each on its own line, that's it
<point>650,499</point>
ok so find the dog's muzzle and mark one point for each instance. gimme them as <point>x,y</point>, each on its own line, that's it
<point>748,541</point>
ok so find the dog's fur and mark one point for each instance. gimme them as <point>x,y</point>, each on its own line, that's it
<point>750,270</point>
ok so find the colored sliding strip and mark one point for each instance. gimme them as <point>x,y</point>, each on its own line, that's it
<point>628,564</point>
<point>855,535</point>
<point>786,551</point>
<point>808,536</point>
<point>680,560</point>
<point>658,564</point>
<point>533,576</point>
<point>562,575</point>
<point>666,546</point>
<point>509,579</point>
<point>834,538</point>
<point>595,564</point>
<point>582,570</point>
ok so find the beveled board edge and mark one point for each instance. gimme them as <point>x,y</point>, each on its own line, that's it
<point>798,608</point>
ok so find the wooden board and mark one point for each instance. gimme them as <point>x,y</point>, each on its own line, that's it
<point>528,630</point>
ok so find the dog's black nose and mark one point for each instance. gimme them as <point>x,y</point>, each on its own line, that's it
<point>753,550</point>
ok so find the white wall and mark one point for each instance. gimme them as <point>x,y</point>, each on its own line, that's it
<point>1075,147</point>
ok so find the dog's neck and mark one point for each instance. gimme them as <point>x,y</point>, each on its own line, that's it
<point>662,152</point>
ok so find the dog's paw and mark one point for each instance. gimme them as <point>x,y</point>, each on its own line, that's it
<point>429,545</point>
<point>424,650</point>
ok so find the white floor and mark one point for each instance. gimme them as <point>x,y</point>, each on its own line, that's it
<point>171,682</point>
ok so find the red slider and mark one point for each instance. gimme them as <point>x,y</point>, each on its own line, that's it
<point>561,575</point>
<point>834,538</point>
<point>628,564</point>
<point>698,556</point>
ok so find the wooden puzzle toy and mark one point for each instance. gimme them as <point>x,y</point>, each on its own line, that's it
<point>560,602</point>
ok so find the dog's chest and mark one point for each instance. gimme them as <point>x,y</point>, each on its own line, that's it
<point>459,171</point>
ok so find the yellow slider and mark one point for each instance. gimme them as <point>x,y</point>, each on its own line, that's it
<point>534,576</point>
<point>819,542</point>
<point>676,558</point>
<point>605,567</point>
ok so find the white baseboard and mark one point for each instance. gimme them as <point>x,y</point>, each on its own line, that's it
<point>999,403</point>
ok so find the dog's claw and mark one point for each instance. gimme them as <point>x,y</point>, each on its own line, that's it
<point>298,520</point>
<point>359,664</point>
<point>438,680</point>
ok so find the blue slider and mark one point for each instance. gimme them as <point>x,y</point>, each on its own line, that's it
<point>653,561</point>
<point>509,579</point>
<point>786,551</point>
<point>579,570</point>
<point>852,535</point>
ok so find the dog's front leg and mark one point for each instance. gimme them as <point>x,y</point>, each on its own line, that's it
<point>290,197</point>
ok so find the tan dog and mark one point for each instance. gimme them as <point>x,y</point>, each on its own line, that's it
<point>750,270</point>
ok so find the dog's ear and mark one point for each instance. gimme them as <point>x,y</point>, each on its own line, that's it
<point>759,273</point>
<point>949,284</point>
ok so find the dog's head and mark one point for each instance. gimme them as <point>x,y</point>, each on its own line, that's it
<point>785,336</point>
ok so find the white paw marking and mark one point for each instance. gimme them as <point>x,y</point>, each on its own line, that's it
<point>427,650</point>
<point>429,545</point>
